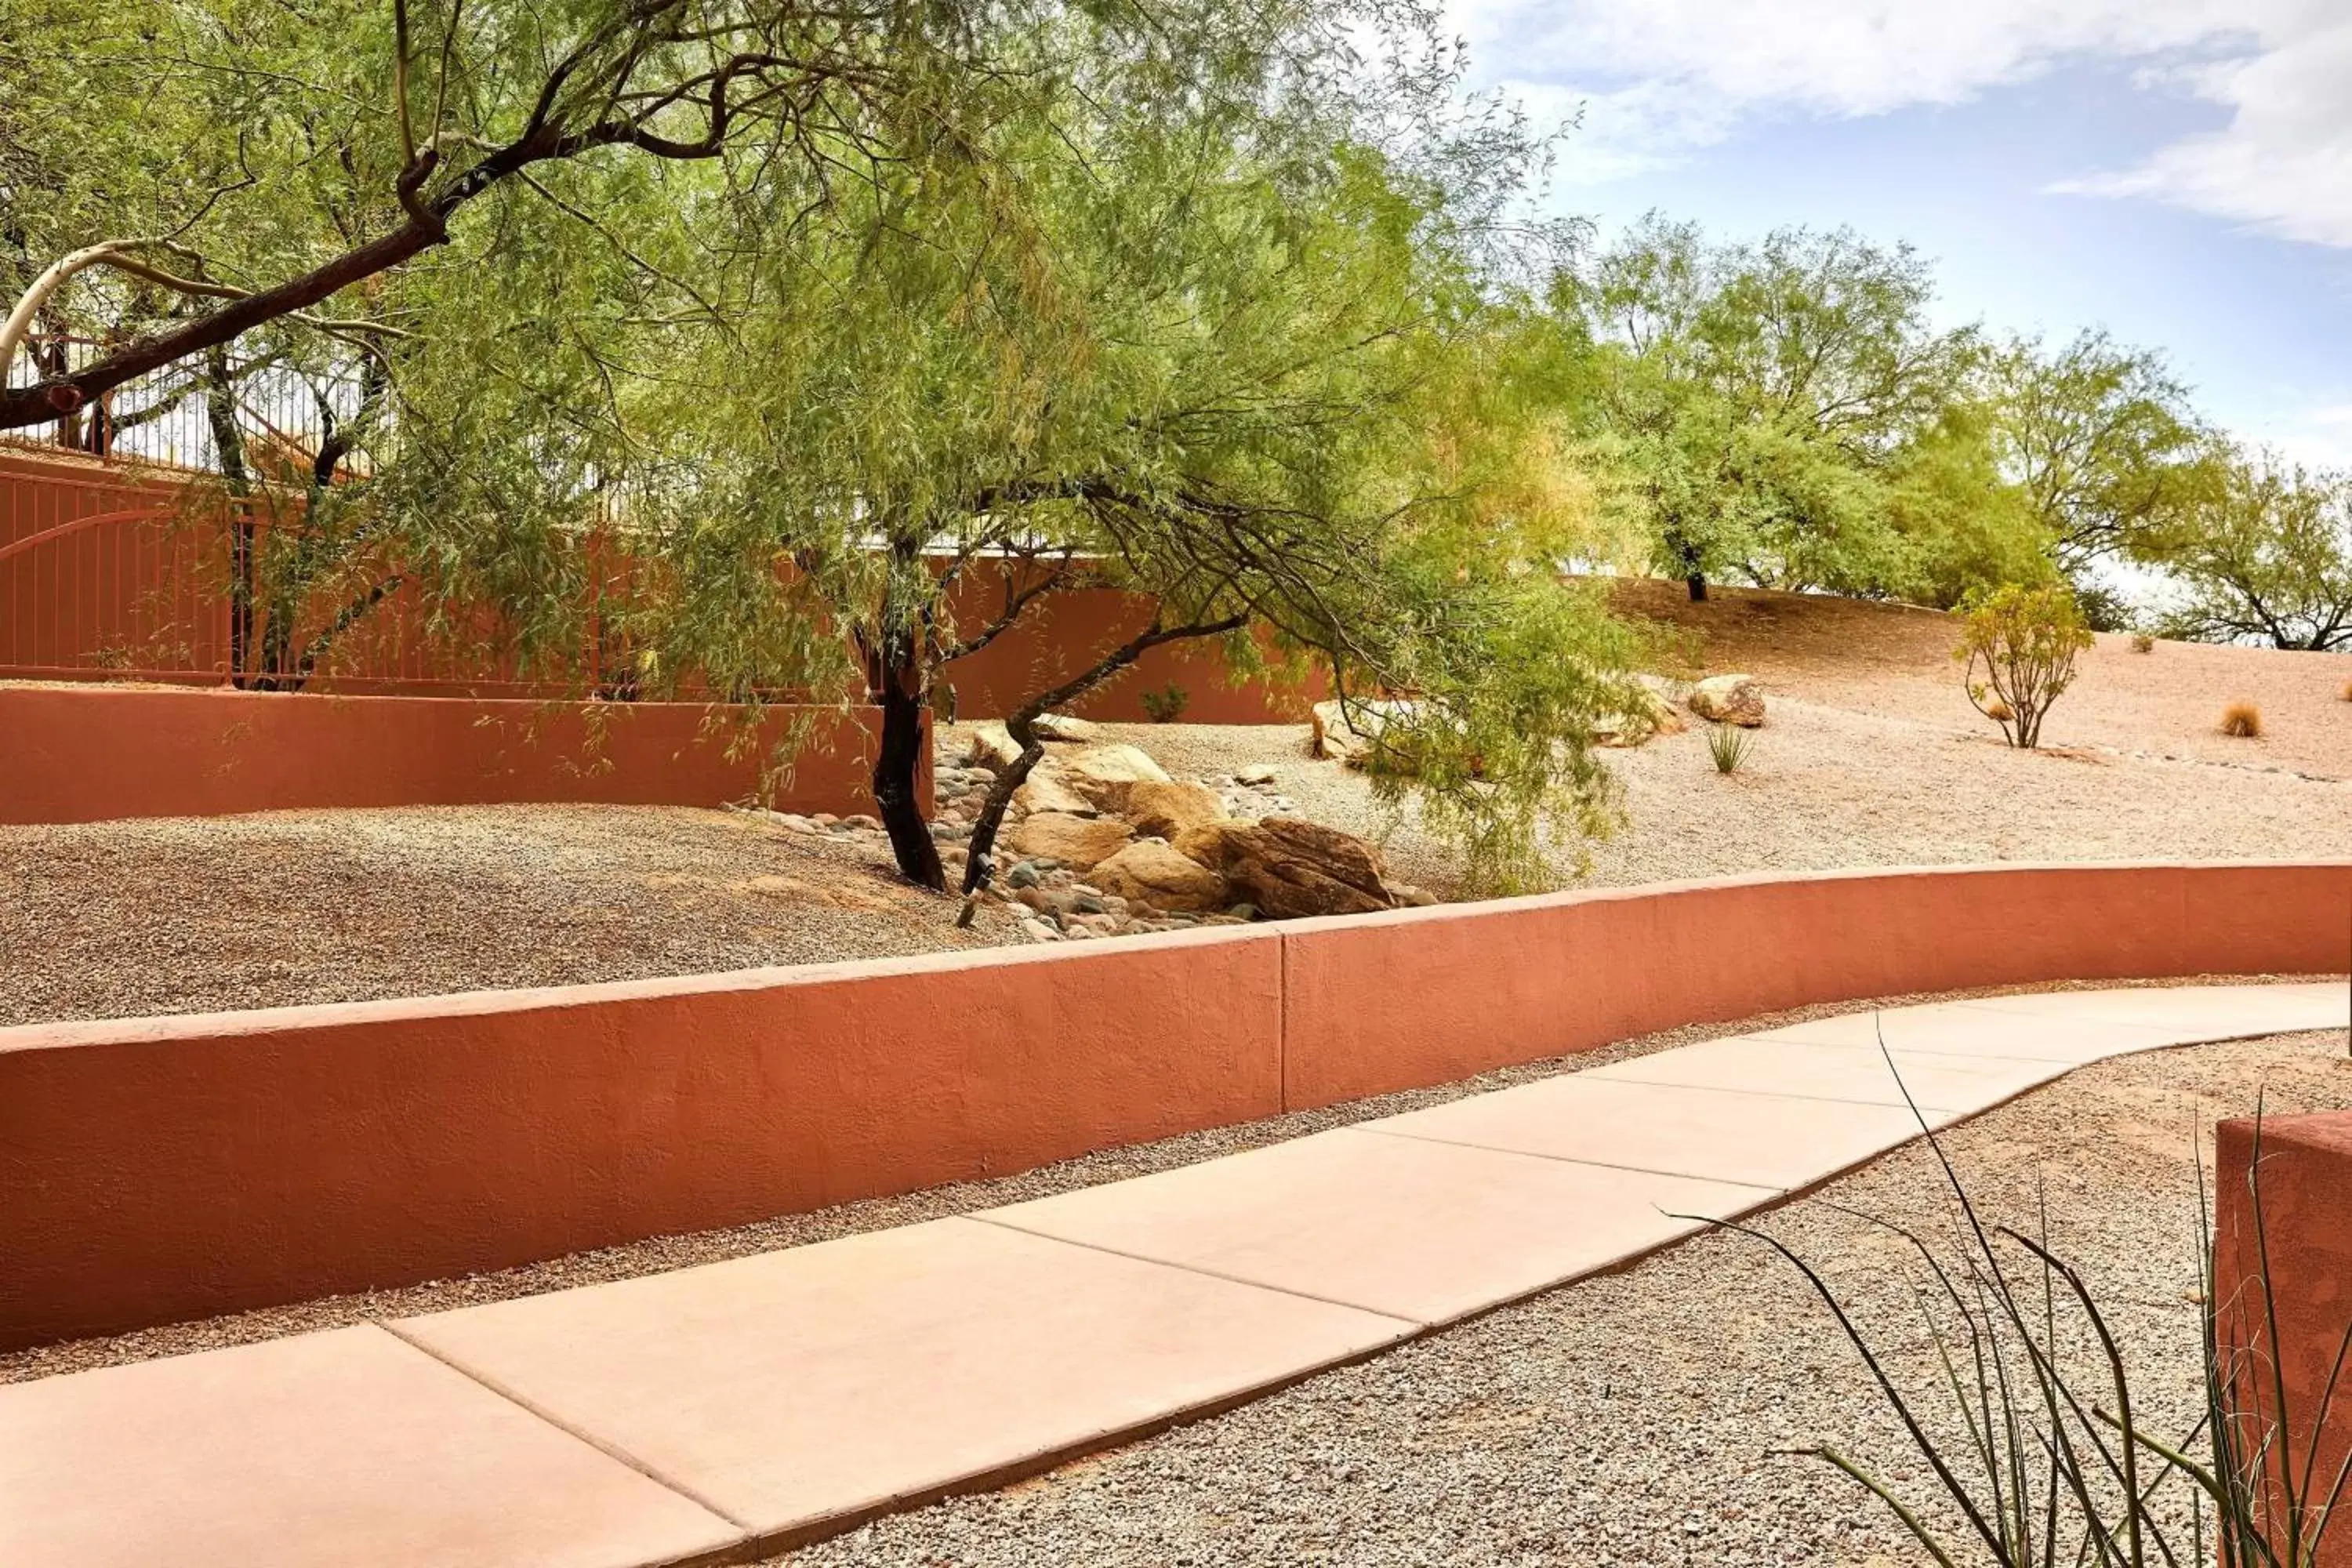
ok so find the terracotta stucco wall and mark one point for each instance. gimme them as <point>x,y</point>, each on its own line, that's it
<point>83,753</point>
<point>2305,1230</point>
<point>163,1168</point>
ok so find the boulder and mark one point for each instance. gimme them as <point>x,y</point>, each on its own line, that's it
<point>1078,842</point>
<point>1256,773</point>
<point>1165,810</point>
<point>1729,700</point>
<point>1150,872</point>
<point>1062,727</point>
<point>1103,773</point>
<point>1351,737</point>
<point>1045,789</point>
<point>1644,716</point>
<point>1290,868</point>
<point>991,746</point>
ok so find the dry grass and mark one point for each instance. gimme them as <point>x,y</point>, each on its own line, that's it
<point>2000,712</point>
<point>2242,720</point>
<point>2347,691</point>
<point>2143,643</point>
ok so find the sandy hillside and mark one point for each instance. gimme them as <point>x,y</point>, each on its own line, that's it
<point>1895,661</point>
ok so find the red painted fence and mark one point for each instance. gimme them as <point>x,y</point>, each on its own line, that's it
<point>110,570</point>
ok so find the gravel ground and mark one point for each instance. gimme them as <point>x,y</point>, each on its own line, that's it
<point>1827,787</point>
<point>177,915</point>
<point>1644,1417</point>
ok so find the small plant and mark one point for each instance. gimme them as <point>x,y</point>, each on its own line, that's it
<point>2040,1465</point>
<point>2242,720</point>
<point>1166,705</point>
<point>2347,692</point>
<point>2142,642</point>
<point>2018,647</point>
<point>1728,744</point>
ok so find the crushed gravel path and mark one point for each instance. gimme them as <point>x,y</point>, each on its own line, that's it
<point>1645,1417</point>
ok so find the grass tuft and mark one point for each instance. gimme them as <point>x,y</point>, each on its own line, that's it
<point>1728,744</point>
<point>2143,643</point>
<point>2242,720</point>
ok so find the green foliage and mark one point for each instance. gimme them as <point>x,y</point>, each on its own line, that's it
<point>1166,704</point>
<point>2018,647</point>
<point>2264,555</point>
<point>2103,441</point>
<point>1782,410</point>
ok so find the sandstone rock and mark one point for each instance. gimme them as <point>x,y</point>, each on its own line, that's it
<point>1646,715</point>
<point>1045,789</point>
<point>1103,773</point>
<point>1729,700</point>
<point>1165,810</point>
<point>1151,872</point>
<point>1290,868</point>
<point>1210,844</point>
<point>1256,773</point>
<point>1080,842</point>
<point>1348,737</point>
<point>1062,727</point>
<point>992,747</point>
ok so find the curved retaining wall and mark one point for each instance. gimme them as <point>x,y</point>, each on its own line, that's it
<point>85,754</point>
<point>164,1168</point>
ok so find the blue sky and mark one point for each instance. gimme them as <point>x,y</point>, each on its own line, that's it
<point>2179,171</point>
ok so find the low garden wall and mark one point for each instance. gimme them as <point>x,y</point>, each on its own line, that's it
<point>84,753</point>
<point>2286,1261</point>
<point>164,1168</point>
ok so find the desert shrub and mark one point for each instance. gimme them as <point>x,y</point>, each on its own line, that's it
<point>2018,648</point>
<point>1728,744</point>
<point>1166,705</point>
<point>2347,692</point>
<point>2242,720</point>
<point>2041,1460</point>
<point>2142,642</point>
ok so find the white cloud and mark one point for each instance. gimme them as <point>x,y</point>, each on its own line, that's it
<point>1659,78</point>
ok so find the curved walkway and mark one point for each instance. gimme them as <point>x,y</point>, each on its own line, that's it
<point>720,1412</point>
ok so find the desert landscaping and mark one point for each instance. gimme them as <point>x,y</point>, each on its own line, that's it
<point>1869,756</point>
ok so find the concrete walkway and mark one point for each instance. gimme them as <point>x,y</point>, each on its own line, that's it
<point>718,1413</point>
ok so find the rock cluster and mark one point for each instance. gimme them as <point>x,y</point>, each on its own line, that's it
<point>1100,841</point>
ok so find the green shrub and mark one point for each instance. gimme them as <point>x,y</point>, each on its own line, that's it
<point>1166,705</point>
<point>2018,647</point>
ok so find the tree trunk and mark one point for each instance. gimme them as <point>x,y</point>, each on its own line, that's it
<point>1698,582</point>
<point>1021,724</point>
<point>897,683</point>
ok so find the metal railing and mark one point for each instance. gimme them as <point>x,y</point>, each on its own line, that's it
<point>176,417</point>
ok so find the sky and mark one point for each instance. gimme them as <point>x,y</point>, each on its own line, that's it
<point>2177,172</point>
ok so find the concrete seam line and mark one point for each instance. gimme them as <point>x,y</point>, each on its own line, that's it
<point>1416,1325</point>
<point>610,1450</point>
